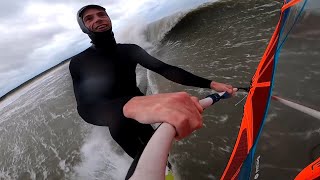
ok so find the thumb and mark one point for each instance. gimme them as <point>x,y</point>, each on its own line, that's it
<point>229,90</point>
<point>229,86</point>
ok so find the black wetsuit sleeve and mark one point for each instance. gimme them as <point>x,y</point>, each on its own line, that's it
<point>170,72</point>
<point>75,75</point>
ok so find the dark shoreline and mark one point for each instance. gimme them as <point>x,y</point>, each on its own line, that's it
<point>5,96</point>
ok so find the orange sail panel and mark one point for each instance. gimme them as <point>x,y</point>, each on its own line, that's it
<point>311,172</point>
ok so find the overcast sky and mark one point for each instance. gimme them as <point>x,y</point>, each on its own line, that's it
<point>38,34</point>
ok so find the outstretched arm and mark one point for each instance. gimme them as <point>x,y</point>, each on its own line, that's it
<point>174,73</point>
<point>170,72</point>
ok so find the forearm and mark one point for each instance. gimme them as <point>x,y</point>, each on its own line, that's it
<point>170,72</point>
<point>152,163</point>
<point>183,77</point>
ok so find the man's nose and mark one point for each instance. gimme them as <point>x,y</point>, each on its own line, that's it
<point>98,20</point>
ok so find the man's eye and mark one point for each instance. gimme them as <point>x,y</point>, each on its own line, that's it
<point>88,19</point>
<point>102,14</point>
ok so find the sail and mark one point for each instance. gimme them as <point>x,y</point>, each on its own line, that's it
<point>258,99</point>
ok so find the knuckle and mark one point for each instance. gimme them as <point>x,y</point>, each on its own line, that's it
<point>200,123</point>
<point>157,107</point>
<point>198,126</point>
<point>195,98</point>
<point>182,94</point>
<point>183,119</point>
<point>178,119</point>
<point>201,109</point>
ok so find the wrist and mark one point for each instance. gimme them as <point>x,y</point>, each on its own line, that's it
<point>212,84</point>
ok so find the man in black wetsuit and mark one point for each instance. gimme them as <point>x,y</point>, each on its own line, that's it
<point>105,88</point>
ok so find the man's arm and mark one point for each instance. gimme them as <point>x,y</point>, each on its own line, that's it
<point>170,72</point>
<point>173,73</point>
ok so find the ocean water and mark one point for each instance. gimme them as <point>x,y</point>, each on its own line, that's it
<point>43,137</point>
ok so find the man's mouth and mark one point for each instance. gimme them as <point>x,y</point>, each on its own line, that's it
<point>102,27</point>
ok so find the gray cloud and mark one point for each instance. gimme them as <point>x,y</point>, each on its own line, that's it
<point>37,34</point>
<point>10,9</point>
<point>18,43</point>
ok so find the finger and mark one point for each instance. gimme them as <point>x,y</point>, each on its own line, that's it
<point>182,125</point>
<point>229,90</point>
<point>198,123</point>
<point>197,104</point>
<point>193,122</point>
<point>189,123</point>
<point>229,86</point>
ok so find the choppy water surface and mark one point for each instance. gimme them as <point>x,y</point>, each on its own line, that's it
<point>42,136</point>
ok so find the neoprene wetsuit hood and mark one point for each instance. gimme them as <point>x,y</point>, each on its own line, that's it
<point>100,39</point>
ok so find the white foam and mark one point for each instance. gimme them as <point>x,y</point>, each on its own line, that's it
<point>101,157</point>
<point>133,32</point>
<point>224,118</point>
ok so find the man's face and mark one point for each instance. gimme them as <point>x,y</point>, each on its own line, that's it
<point>96,20</point>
